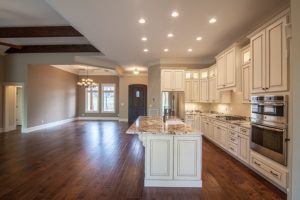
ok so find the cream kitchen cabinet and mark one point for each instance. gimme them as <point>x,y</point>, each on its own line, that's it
<point>204,98</point>
<point>187,163</point>
<point>159,158</point>
<point>192,90</point>
<point>244,147</point>
<point>172,80</point>
<point>228,69</point>
<point>220,135</point>
<point>247,74</point>
<point>213,92</point>
<point>270,59</point>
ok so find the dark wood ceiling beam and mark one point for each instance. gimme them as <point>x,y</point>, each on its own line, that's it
<point>44,31</point>
<point>54,49</point>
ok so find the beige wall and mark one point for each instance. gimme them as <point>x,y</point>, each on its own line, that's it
<point>295,74</point>
<point>1,89</point>
<point>51,95</point>
<point>153,99</point>
<point>81,97</point>
<point>125,81</point>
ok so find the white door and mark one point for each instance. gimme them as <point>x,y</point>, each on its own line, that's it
<point>195,90</point>
<point>230,68</point>
<point>159,157</point>
<point>188,90</point>
<point>204,90</point>
<point>243,151</point>
<point>187,167</point>
<point>258,62</point>
<point>167,80</point>
<point>276,57</point>
<point>246,72</point>
<point>221,72</point>
<point>178,80</point>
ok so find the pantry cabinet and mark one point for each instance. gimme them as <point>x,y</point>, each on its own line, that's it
<point>270,59</point>
<point>172,80</point>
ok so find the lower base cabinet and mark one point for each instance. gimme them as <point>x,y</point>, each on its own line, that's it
<point>173,161</point>
<point>244,148</point>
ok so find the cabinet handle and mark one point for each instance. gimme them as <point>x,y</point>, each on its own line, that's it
<point>267,88</point>
<point>274,174</point>
<point>257,163</point>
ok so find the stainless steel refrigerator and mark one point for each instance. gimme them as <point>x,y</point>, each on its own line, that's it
<point>172,104</point>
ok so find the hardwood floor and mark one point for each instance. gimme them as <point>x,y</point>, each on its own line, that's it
<point>97,160</point>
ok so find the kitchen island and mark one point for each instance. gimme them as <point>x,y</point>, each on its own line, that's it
<point>173,152</point>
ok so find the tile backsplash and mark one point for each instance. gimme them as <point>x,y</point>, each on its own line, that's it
<point>236,107</point>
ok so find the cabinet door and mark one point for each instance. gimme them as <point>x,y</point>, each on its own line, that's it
<point>258,62</point>
<point>187,167</point>
<point>246,56</point>
<point>211,130</point>
<point>159,157</point>
<point>207,130</point>
<point>230,68</point>
<point>198,123</point>
<point>221,72</point>
<point>223,137</point>
<point>243,150</point>
<point>246,72</point>
<point>204,90</point>
<point>276,57</point>
<point>212,85</point>
<point>178,80</point>
<point>167,80</point>
<point>188,90</point>
<point>203,130</point>
<point>195,90</point>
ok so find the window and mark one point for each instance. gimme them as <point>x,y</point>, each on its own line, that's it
<point>108,98</point>
<point>92,99</point>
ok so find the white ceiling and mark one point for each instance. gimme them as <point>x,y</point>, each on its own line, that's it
<point>17,13</point>
<point>112,26</point>
<point>81,70</point>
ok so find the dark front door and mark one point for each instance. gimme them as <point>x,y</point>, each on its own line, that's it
<point>137,102</point>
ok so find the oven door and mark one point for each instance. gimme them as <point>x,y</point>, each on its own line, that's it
<point>270,142</point>
<point>274,109</point>
<point>257,108</point>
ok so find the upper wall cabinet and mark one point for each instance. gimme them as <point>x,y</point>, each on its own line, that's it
<point>246,74</point>
<point>172,80</point>
<point>228,65</point>
<point>270,58</point>
<point>192,86</point>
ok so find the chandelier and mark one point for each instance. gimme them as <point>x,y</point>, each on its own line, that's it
<point>87,82</point>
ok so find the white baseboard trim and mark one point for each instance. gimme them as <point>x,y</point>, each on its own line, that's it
<point>8,129</point>
<point>123,120</point>
<point>97,118</point>
<point>172,183</point>
<point>49,125</point>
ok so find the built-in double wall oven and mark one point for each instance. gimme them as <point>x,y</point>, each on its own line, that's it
<point>269,133</point>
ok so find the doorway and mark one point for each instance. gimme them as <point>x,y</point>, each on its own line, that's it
<point>13,107</point>
<point>137,95</point>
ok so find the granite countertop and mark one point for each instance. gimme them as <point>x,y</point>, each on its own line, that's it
<point>155,125</point>
<point>242,123</point>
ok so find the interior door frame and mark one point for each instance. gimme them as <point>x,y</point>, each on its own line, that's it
<point>6,103</point>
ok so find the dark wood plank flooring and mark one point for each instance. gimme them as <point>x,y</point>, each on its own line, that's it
<point>97,160</point>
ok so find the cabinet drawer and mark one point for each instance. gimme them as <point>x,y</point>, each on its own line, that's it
<point>232,148</point>
<point>204,119</point>
<point>233,127</point>
<point>219,123</point>
<point>233,140</point>
<point>269,170</point>
<point>191,117</point>
<point>233,134</point>
<point>245,131</point>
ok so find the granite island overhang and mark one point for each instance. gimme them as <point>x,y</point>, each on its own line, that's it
<point>173,152</point>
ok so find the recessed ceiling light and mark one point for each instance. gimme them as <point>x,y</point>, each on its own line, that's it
<point>144,39</point>
<point>170,35</point>
<point>190,50</point>
<point>166,50</point>
<point>213,20</point>
<point>142,21</point>
<point>175,14</point>
<point>199,38</point>
<point>146,50</point>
